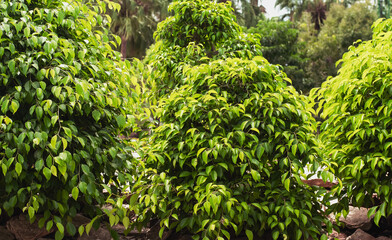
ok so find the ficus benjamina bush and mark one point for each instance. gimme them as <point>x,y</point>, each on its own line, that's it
<point>197,33</point>
<point>64,99</point>
<point>228,153</point>
<point>357,107</point>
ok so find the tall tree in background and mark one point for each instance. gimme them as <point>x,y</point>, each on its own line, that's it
<point>345,3</point>
<point>248,12</point>
<point>279,44</point>
<point>136,22</point>
<point>341,29</point>
<point>318,11</point>
<point>384,8</point>
<point>295,7</point>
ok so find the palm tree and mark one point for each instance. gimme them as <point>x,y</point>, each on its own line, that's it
<point>295,7</point>
<point>136,22</point>
<point>318,11</point>
<point>247,11</point>
<point>286,4</point>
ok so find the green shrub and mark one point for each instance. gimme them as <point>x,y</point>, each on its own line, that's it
<point>64,100</point>
<point>232,142</point>
<point>279,41</point>
<point>357,108</point>
<point>198,33</point>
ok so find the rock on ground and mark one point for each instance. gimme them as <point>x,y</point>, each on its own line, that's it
<point>99,234</point>
<point>5,234</point>
<point>361,235</point>
<point>335,235</point>
<point>22,229</point>
<point>357,218</point>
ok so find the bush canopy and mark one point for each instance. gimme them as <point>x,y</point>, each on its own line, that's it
<point>64,98</point>
<point>232,141</point>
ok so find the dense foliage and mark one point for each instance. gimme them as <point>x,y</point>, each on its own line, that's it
<point>202,31</point>
<point>357,110</point>
<point>232,141</point>
<point>341,29</point>
<point>279,42</point>
<point>137,20</point>
<point>64,98</point>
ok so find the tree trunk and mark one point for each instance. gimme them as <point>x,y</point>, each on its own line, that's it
<point>291,16</point>
<point>123,47</point>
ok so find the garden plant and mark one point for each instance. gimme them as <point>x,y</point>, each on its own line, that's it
<point>356,106</point>
<point>65,97</point>
<point>231,140</point>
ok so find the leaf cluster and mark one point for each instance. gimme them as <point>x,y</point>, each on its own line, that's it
<point>229,151</point>
<point>198,22</point>
<point>64,99</point>
<point>356,107</point>
<point>280,45</point>
<point>197,33</point>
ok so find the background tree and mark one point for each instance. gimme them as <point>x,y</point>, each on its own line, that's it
<point>136,22</point>
<point>295,7</point>
<point>345,3</point>
<point>384,8</point>
<point>317,10</point>
<point>342,28</point>
<point>248,12</point>
<point>279,45</point>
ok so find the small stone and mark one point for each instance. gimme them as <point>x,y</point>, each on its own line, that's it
<point>361,235</point>
<point>335,235</point>
<point>79,220</point>
<point>22,229</point>
<point>357,218</point>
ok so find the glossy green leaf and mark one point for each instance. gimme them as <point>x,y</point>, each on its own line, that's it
<point>249,234</point>
<point>39,164</point>
<point>120,121</point>
<point>47,173</point>
<point>11,66</point>
<point>96,115</point>
<point>18,168</point>
<point>75,193</point>
<point>71,229</point>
